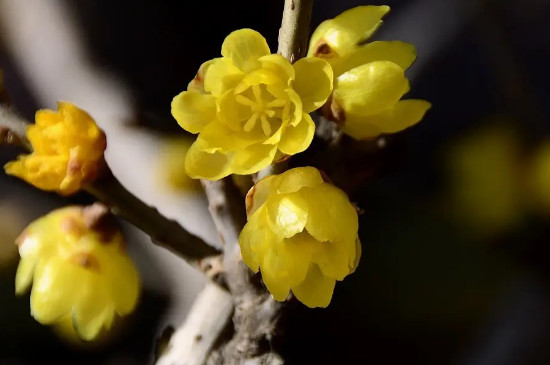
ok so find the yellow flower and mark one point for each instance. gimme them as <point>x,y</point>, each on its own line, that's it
<point>171,170</point>
<point>78,265</point>
<point>249,107</point>
<point>67,150</point>
<point>369,79</point>
<point>301,234</point>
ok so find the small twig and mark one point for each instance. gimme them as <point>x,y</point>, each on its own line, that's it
<point>163,231</point>
<point>110,191</point>
<point>194,340</point>
<point>294,32</point>
<point>12,128</point>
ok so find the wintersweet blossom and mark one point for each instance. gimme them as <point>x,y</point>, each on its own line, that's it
<point>301,235</point>
<point>67,152</point>
<point>369,79</point>
<point>78,268</point>
<point>249,107</point>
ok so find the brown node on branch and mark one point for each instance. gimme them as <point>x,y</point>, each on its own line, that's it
<point>97,217</point>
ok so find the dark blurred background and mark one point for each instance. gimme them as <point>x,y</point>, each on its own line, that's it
<point>455,228</point>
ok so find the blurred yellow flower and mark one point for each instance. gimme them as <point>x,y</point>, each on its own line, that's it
<point>77,263</point>
<point>301,234</point>
<point>249,107</point>
<point>67,150</point>
<point>171,168</point>
<point>538,178</point>
<point>369,79</point>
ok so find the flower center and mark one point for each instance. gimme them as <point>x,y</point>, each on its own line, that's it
<point>263,106</point>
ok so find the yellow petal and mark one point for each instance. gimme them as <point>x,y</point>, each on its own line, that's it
<point>356,257</point>
<point>123,283</point>
<point>287,214</point>
<point>279,66</point>
<point>232,113</point>
<point>221,76</point>
<point>93,310</point>
<point>317,36</point>
<point>25,272</point>
<point>403,115</point>
<point>401,53</point>
<point>357,127</point>
<point>244,47</point>
<point>371,88</point>
<point>297,252</point>
<point>297,139</point>
<point>253,239</point>
<point>354,26</point>
<point>331,217</point>
<point>258,194</point>
<point>203,165</point>
<point>218,136</point>
<point>313,82</point>
<point>252,159</point>
<point>55,289</point>
<point>193,110</point>
<point>333,258</point>
<point>275,274</point>
<point>294,179</point>
<point>197,84</point>
<point>316,289</point>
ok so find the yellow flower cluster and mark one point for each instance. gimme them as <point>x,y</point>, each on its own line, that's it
<point>301,234</point>
<point>249,107</point>
<point>369,79</point>
<point>67,151</point>
<point>79,269</point>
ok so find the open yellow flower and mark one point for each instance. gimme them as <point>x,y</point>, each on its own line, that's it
<point>301,234</point>
<point>78,266</point>
<point>369,79</point>
<point>249,107</point>
<point>67,150</point>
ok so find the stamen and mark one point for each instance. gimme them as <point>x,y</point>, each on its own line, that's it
<point>266,127</point>
<point>270,113</point>
<point>250,122</point>
<point>257,92</point>
<point>277,103</point>
<point>244,100</point>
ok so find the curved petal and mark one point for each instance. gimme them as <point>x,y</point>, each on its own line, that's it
<point>404,114</point>
<point>203,165</point>
<point>371,88</point>
<point>254,238</point>
<point>293,112</point>
<point>279,66</point>
<point>354,26</point>
<point>94,309</point>
<point>197,84</point>
<point>331,217</point>
<point>317,37</point>
<point>252,159</point>
<point>333,258</point>
<point>232,113</point>
<point>313,82</point>
<point>316,289</point>
<point>258,194</point>
<point>401,53</point>
<point>217,136</point>
<point>297,252</point>
<point>287,214</point>
<point>193,110</point>
<point>56,288</point>
<point>274,274</point>
<point>123,285</point>
<point>25,272</point>
<point>360,127</point>
<point>244,47</point>
<point>221,75</point>
<point>297,139</point>
<point>294,179</point>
